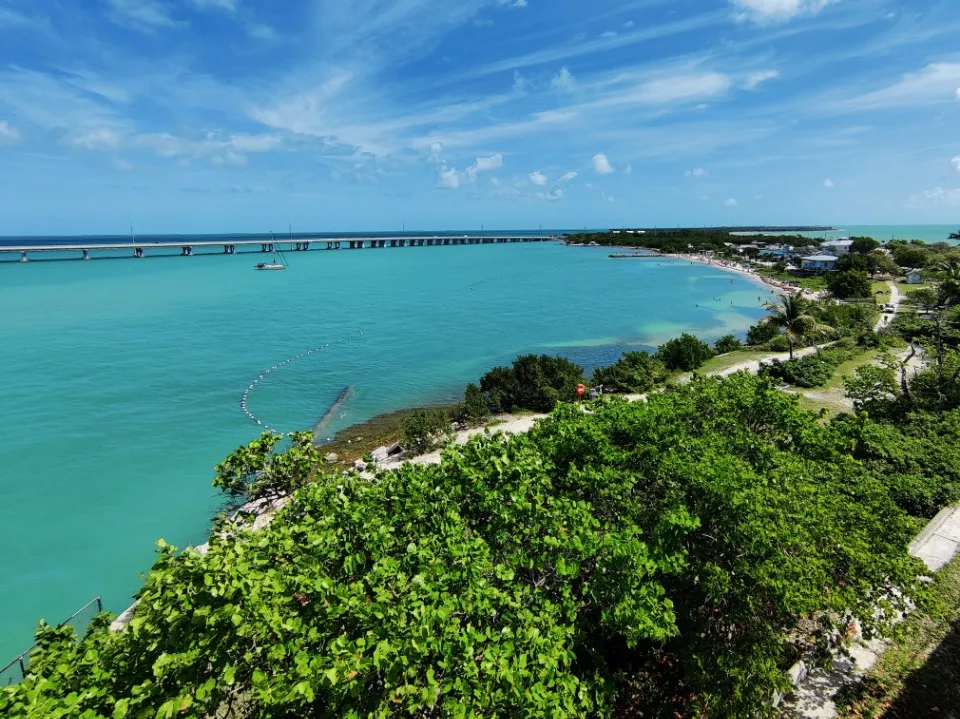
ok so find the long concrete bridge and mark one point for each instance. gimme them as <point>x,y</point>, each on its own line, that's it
<point>229,247</point>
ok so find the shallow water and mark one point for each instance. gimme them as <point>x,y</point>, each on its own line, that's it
<point>123,379</point>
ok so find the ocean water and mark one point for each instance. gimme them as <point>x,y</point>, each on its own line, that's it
<point>123,378</point>
<point>883,233</point>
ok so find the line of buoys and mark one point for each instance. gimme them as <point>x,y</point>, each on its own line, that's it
<point>263,375</point>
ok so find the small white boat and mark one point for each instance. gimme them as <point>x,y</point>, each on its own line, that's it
<point>271,266</point>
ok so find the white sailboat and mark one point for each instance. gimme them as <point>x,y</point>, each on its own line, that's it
<point>277,263</point>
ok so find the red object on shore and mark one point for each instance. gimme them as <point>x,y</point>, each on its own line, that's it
<point>580,390</point>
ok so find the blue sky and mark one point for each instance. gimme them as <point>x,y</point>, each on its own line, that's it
<point>239,115</point>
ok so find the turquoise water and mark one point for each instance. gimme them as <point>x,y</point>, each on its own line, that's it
<point>123,378</point>
<point>926,233</point>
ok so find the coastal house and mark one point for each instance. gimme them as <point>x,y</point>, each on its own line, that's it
<point>819,263</point>
<point>914,277</point>
<point>838,248</point>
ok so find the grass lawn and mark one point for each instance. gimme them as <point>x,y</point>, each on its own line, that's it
<point>814,284</point>
<point>919,674</point>
<point>722,362</point>
<point>832,395</point>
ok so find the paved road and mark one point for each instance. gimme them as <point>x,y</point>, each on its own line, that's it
<point>895,299</point>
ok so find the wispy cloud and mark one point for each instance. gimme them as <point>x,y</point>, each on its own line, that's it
<point>143,15</point>
<point>730,202</point>
<point>828,183</point>
<point>538,178</point>
<point>774,11</point>
<point>9,135</point>
<point>935,83</point>
<point>696,172</point>
<point>755,79</point>
<point>563,80</point>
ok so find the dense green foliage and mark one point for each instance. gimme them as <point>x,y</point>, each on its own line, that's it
<point>727,343</point>
<point>257,471</point>
<point>533,382</point>
<point>530,576</point>
<point>798,318</point>
<point>679,241</point>
<point>850,284</point>
<point>872,263</point>
<point>425,429</point>
<point>813,370</point>
<point>761,333</point>
<point>863,245</point>
<point>474,409</point>
<point>633,372</point>
<point>685,353</point>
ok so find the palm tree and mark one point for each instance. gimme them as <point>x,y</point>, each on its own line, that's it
<point>795,316</point>
<point>948,272</point>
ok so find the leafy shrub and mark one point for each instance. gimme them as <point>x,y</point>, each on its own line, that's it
<point>809,371</point>
<point>762,333</point>
<point>727,343</point>
<point>633,372</point>
<point>524,576</point>
<point>685,353</point>
<point>474,409</point>
<point>534,382</point>
<point>778,344</point>
<point>425,429</point>
<point>851,284</point>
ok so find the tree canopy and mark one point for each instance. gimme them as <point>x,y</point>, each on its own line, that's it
<point>533,382</point>
<point>682,544</point>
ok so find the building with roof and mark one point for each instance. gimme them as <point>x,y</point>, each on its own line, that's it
<point>838,248</point>
<point>914,277</point>
<point>819,263</point>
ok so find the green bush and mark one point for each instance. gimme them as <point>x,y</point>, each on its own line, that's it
<point>727,343</point>
<point>534,383</point>
<point>778,344</point>
<point>474,409</point>
<point>814,370</point>
<point>633,372</point>
<point>425,430</point>
<point>685,353</point>
<point>851,284</point>
<point>762,333</point>
<point>683,542</point>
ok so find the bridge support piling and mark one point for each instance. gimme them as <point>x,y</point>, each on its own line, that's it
<point>23,257</point>
<point>138,252</point>
<point>186,251</point>
<point>86,254</point>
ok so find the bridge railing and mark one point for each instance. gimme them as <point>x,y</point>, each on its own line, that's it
<point>15,670</point>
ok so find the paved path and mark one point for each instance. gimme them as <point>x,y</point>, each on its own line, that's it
<point>895,299</point>
<point>940,541</point>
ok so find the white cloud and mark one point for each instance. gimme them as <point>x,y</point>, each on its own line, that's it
<point>224,5</point>
<point>958,93</point>
<point>563,80</point>
<point>628,24</point>
<point>774,11</point>
<point>449,178</point>
<point>608,34</point>
<point>697,173</point>
<point>940,196</point>
<point>755,79</point>
<point>9,135</point>
<point>436,150</point>
<point>495,181</point>
<point>538,178</point>
<point>628,170</point>
<point>519,82</point>
<point>933,84</point>
<point>485,164</point>
<point>601,165</point>
<point>828,183</point>
<point>513,3</point>
<point>608,198</point>
<point>123,165</point>
<point>567,177</point>
<point>955,161</point>
<point>554,194</point>
<point>103,138</point>
<point>143,15</point>
<point>730,202</point>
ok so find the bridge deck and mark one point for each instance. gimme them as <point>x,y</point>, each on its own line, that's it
<point>91,246</point>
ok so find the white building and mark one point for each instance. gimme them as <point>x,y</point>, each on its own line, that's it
<point>914,277</point>
<point>819,263</point>
<point>838,248</point>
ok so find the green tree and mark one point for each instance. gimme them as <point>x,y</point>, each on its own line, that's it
<point>727,343</point>
<point>909,256</point>
<point>882,264</point>
<point>474,409</point>
<point>257,471</point>
<point>761,333</point>
<point>685,353</point>
<point>872,388</point>
<point>863,245</point>
<point>633,372</point>
<point>947,274</point>
<point>796,317</point>
<point>533,382</point>
<point>851,284</point>
<point>425,429</point>
<point>691,538</point>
